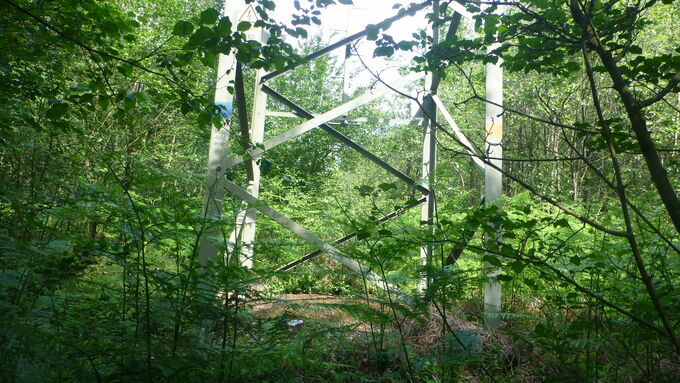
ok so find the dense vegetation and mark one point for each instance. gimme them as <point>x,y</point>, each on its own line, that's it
<point>105,116</point>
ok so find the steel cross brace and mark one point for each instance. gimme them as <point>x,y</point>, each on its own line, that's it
<point>465,143</point>
<point>364,120</point>
<point>350,236</point>
<point>316,121</point>
<point>346,140</point>
<point>311,238</point>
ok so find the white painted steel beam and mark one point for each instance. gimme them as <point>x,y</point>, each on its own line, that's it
<point>323,118</point>
<point>428,168</point>
<point>358,120</point>
<point>460,8</point>
<point>493,180</point>
<point>467,145</point>
<point>256,135</point>
<point>219,142</point>
<point>345,70</point>
<point>429,162</point>
<point>244,230</point>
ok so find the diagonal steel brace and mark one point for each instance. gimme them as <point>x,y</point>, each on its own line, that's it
<point>314,240</point>
<point>314,123</point>
<point>464,142</point>
<point>348,237</point>
<point>346,140</point>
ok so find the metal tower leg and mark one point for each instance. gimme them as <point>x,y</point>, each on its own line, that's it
<point>429,162</point>
<point>493,182</point>
<point>256,135</point>
<point>219,142</point>
<point>429,155</point>
<point>246,219</point>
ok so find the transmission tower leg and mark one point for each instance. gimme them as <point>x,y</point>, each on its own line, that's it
<point>429,156</point>
<point>219,142</point>
<point>429,162</point>
<point>243,233</point>
<point>493,184</point>
<point>257,136</point>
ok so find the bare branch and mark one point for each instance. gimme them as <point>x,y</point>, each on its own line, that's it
<point>672,84</point>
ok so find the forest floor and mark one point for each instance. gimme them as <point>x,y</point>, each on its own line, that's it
<point>422,335</point>
<point>315,307</point>
<point>420,332</point>
<point>495,352</point>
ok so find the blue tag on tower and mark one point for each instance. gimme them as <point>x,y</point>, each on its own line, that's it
<point>226,108</point>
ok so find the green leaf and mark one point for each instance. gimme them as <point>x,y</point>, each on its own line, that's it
<point>265,166</point>
<point>243,26</point>
<point>57,110</point>
<point>209,16</point>
<point>372,31</point>
<point>363,234</point>
<point>183,28</point>
<point>517,266</point>
<point>385,232</point>
<point>224,26</point>
<point>572,66</point>
<point>543,4</point>
<point>364,190</point>
<point>492,260</point>
<point>202,34</point>
<point>562,222</point>
<point>541,331</point>
<point>504,278</point>
<point>186,107</point>
<point>383,52</point>
<point>634,49</point>
<point>125,69</point>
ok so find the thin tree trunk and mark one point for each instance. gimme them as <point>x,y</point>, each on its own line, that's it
<point>630,234</point>
<point>637,120</point>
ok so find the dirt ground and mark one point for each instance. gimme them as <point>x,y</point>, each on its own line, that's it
<point>309,307</point>
<point>325,308</point>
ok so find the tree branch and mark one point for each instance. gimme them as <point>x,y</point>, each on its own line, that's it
<point>637,120</point>
<point>672,83</point>
<point>621,192</point>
